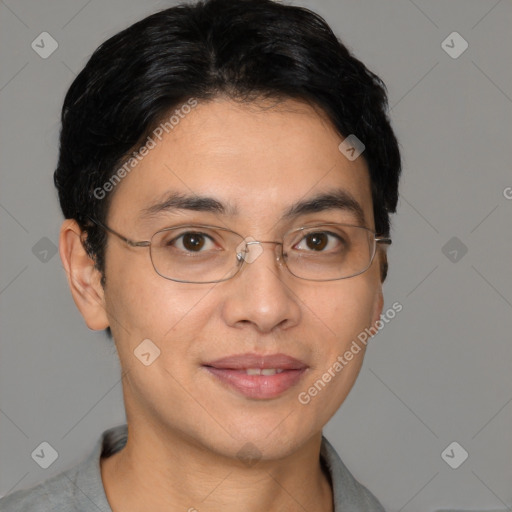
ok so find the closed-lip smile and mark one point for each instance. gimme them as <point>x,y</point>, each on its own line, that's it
<point>258,376</point>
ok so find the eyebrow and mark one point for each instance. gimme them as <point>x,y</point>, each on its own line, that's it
<point>333,200</point>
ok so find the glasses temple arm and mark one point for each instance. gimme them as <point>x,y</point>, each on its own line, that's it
<point>132,243</point>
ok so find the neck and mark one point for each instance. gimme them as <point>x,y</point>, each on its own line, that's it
<point>174,474</point>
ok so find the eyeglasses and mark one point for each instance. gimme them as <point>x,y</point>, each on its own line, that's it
<point>196,253</point>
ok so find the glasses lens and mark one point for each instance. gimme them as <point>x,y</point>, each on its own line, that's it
<point>329,252</point>
<point>195,254</point>
<point>208,254</point>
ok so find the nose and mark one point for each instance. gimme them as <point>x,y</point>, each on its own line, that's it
<point>261,294</point>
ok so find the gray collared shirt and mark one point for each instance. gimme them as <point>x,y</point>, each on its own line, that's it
<point>81,488</point>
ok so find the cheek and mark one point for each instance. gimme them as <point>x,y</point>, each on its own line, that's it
<point>342,309</point>
<point>141,304</point>
<point>341,313</point>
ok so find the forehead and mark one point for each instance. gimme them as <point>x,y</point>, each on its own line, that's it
<point>256,161</point>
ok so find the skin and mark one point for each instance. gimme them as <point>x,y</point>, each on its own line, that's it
<point>186,428</point>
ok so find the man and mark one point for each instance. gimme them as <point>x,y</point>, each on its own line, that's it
<point>226,171</point>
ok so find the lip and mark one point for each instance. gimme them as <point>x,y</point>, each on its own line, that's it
<point>250,360</point>
<point>231,371</point>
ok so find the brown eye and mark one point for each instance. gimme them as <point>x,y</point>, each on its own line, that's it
<point>323,242</point>
<point>317,241</point>
<point>193,241</point>
<point>190,242</point>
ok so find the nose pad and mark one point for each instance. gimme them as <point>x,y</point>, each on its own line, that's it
<point>277,254</point>
<point>249,250</point>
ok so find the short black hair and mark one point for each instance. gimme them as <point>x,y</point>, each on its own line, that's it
<point>241,49</point>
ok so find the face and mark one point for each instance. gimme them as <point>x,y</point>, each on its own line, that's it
<point>256,163</point>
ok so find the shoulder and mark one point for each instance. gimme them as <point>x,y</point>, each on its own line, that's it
<point>348,493</point>
<point>55,494</point>
<point>79,488</point>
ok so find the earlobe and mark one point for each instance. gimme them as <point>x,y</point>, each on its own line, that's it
<point>83,279</point>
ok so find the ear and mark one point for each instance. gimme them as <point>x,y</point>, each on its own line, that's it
<point>84,280</point>
<point>378,305</point>
<point>378,301</point>
<point>383,258</point>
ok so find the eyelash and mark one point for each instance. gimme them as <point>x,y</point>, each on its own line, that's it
<point>206,236</point>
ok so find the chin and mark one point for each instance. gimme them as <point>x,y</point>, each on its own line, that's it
<point>272,435</point>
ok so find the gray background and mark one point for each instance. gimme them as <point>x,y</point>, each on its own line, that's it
<point>439,372</point>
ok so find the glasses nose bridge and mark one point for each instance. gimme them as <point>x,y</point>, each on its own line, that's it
<point>250,258</point>
<point>252,242</point>
<point>261,242</point>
